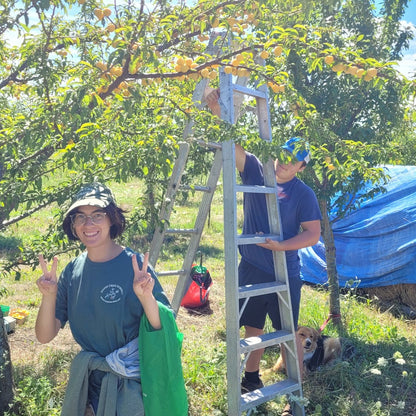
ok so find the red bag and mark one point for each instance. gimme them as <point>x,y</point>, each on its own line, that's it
<point>198,292</point>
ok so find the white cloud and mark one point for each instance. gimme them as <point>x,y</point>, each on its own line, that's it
<point>407,66</point>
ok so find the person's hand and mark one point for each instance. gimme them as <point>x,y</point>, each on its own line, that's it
<point>271,245</point>
<point>143,282</point>
<point>211,97</point>
<point>47,283</point>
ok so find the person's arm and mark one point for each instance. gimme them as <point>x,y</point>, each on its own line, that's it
<point>240,157</point>
<point>212,99</point>
<point>143,284</point>
<point>47,325</point>
<point>311,231</point>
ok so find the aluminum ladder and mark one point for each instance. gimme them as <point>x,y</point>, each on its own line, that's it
<point>194,233</point>
<point>238,403</point>
<point>175,185</point>
<point>232,96</point>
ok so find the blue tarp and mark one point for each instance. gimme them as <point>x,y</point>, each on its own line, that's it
<point>376,243</point>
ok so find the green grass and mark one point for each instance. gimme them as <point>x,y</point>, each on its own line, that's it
<point>379,381</point>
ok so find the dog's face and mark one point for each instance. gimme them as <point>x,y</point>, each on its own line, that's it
<point>309,338</point>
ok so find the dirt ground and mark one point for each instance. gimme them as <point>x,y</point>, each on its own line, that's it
<point>24,347</point>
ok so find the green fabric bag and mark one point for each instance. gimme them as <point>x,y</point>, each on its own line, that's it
<point>163,386</point>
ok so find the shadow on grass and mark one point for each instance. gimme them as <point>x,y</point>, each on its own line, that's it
<point>179,245</point>
<point>40,386</point>
<point>379,380</point>
<point>9,245</point>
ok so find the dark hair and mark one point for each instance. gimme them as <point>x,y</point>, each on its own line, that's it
<point>115,214</point>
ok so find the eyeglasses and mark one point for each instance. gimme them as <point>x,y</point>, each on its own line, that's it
<point>80,219</point>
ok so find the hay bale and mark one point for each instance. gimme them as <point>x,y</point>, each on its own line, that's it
<point>401,294</point>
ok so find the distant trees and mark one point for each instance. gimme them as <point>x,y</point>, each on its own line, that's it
<point>351,104</point>
<point>89,92</point>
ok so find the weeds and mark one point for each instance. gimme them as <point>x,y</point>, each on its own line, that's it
<point>36,397</point>
<point>40,390</point>
<point>370,384</point>
<point>379,381</point>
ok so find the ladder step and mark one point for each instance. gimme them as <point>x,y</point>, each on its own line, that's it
<point>171,273</point>
<point>195,188</point>
<point>257,289</point>
<point>212,145</point>
<point>182,231</point>
<point>249,91</point>
<point>255,189</point>
<point>257,397</point>
<point>243,239</point>
<point>265,340</point>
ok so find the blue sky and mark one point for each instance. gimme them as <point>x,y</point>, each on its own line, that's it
<point>408,64</point>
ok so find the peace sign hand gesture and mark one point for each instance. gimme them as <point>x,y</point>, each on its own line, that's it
<point>143,282</point>
<point>47,283</point>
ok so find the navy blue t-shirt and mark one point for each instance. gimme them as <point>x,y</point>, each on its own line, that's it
<point>297,202</point>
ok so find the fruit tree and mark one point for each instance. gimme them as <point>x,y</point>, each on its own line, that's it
<point>96,91</point>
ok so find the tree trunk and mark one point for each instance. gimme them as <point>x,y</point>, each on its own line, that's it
<point>331,265</point>
<point>6,375</point>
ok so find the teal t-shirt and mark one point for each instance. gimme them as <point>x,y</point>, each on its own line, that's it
<point>98,301</point>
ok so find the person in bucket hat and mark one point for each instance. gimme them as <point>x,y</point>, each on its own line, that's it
<point>94,194</point>
<point>112,300</point>
<point>300,216</point>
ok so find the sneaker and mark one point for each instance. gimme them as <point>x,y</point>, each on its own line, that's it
<point>247,386</point>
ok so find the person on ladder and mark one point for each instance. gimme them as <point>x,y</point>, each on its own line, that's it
<point>300,216</point>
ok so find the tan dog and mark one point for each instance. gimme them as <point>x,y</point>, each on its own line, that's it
<point>317,350</point>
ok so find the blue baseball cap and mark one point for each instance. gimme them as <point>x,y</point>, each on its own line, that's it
<point>302,154</point>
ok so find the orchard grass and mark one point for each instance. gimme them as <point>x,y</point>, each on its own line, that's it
<point>379,381</point>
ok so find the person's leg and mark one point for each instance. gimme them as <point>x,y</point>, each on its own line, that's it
<point>253,318</point>
<point>89,411</point>
<point>253,361</point>
<point>251,380</point>
<point>295,287</point>
<point>273,310</point>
